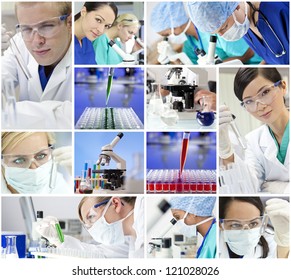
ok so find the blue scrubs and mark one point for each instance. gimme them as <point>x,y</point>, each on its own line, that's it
<point>43,77</point>
<point>277,15</point>
<point>224,49</point>
<point>104,54</point>
<point>208,246</point>
<point>84,54</point>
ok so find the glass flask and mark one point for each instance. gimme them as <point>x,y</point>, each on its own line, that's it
<point>206,116</point>
<point>85,185</point>
<point>156,105</point>
<point>11,249</point>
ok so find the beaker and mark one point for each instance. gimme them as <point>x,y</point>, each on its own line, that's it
<point>85,185</point>
<point>156,105</point>
<point>11,249</point>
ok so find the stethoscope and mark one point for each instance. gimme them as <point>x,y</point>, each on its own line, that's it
<point>271,28</point>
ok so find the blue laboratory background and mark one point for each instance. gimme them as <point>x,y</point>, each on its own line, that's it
<point>127,91</point>
<point>88,147</point>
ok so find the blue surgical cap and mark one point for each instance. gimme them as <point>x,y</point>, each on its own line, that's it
<point>166,15</point>
<point>197,205</point>
<point>209,16</point>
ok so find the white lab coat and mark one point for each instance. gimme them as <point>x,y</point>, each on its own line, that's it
<point>269,236</point>
<point>59,86</point>
<point>261,158</point>
<point>62,186</point>
<point>132,248</point>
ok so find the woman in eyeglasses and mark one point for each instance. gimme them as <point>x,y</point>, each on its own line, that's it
<point>115,223</point>
<point>244,229</point>
<point>261,92</point>
<point>124,28</point>
<point>29,164</point>
<point>90,23</point>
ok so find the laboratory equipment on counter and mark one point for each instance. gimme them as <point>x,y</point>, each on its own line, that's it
<point>139,41</point>
<point>181,83</point>
<point>109,83</point>
<point>156,105</point>
<point>126,58</point>
<point>162,247</point>
<point>85,184</point>
<point>187,245</point>
<point>109,118</point>
<point>212,58</point>
<point>11,249</point>
<point>115,177</point>
<point>235,178</point>
<point>20,242</point>
<point>206,116</point>
<point>242,141</point>
<point>190,181</point>
<point>184,151</point>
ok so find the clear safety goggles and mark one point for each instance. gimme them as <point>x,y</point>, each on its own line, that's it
<point>24,161</point>
<point>233,224</point>
<point>94,214</point>
<point>46,29</point>
<point>266,96</point>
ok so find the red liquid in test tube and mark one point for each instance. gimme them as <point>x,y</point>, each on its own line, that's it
<point>184,151</point>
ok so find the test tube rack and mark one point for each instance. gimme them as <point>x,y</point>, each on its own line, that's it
<point>57,253</point>
<point>108,118</point>
<point>190,181</point>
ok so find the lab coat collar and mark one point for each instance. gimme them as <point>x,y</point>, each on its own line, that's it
<point>60,72</point>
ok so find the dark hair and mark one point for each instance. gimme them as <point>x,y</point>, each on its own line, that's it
<point>244,76</point>
<point>93,6</point>
<point>224,203</point>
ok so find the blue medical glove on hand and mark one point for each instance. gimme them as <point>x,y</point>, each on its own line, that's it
<point>63,156</point>
<point>225,147</point>
<point>48,228</point>
<point>278,211</point>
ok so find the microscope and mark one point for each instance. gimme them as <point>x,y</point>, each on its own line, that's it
<point>181,84</point>
<point>115,177</point>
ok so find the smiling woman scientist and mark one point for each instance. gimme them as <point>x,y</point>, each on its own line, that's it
<point>264,25</point>
<point>115,223</point>
<point>195,215</point>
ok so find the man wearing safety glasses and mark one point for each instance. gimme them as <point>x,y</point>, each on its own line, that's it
<point>39,57</point>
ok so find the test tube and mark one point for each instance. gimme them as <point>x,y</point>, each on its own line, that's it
<point>183,155</point>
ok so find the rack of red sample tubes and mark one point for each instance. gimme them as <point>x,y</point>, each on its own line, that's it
<point>190,181</point>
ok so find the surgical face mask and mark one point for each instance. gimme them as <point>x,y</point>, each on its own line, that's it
<point>181,38</point>
<point>29,181</point>
<point>108,234</point>
<point>190,230</point>
<point>238,30</point>
<point>242,242</point>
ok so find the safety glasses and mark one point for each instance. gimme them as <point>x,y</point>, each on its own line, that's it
<point>266,96</point>
<point>25,160</point>
<point>46,29</point>
<point>233,224</point>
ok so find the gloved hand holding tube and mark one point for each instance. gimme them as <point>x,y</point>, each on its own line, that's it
<point>278,211</point>
<point>225,147</point>
<point>63,156</point>
<point>50,229</point>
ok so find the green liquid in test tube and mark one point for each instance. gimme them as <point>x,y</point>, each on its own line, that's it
<point>109,84</point>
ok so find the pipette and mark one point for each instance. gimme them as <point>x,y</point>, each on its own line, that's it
<point>19,58</point>
<point>242,141</point>
<point>109,83</point>
<point>184,150</point>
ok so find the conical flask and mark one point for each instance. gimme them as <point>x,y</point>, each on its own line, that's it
<point>11,249</point>
<point>156,105</point>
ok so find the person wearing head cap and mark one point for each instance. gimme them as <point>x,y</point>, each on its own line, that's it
<point>169,19</point>
<point>195,214</point>
<point>263,25</point>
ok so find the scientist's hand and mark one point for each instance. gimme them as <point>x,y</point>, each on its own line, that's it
<point>211,98</point>
<point>4,38</point>
<point>278,211</point>
<point>47,228</point>
<point>225,117</point>
<point>63,156</point>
